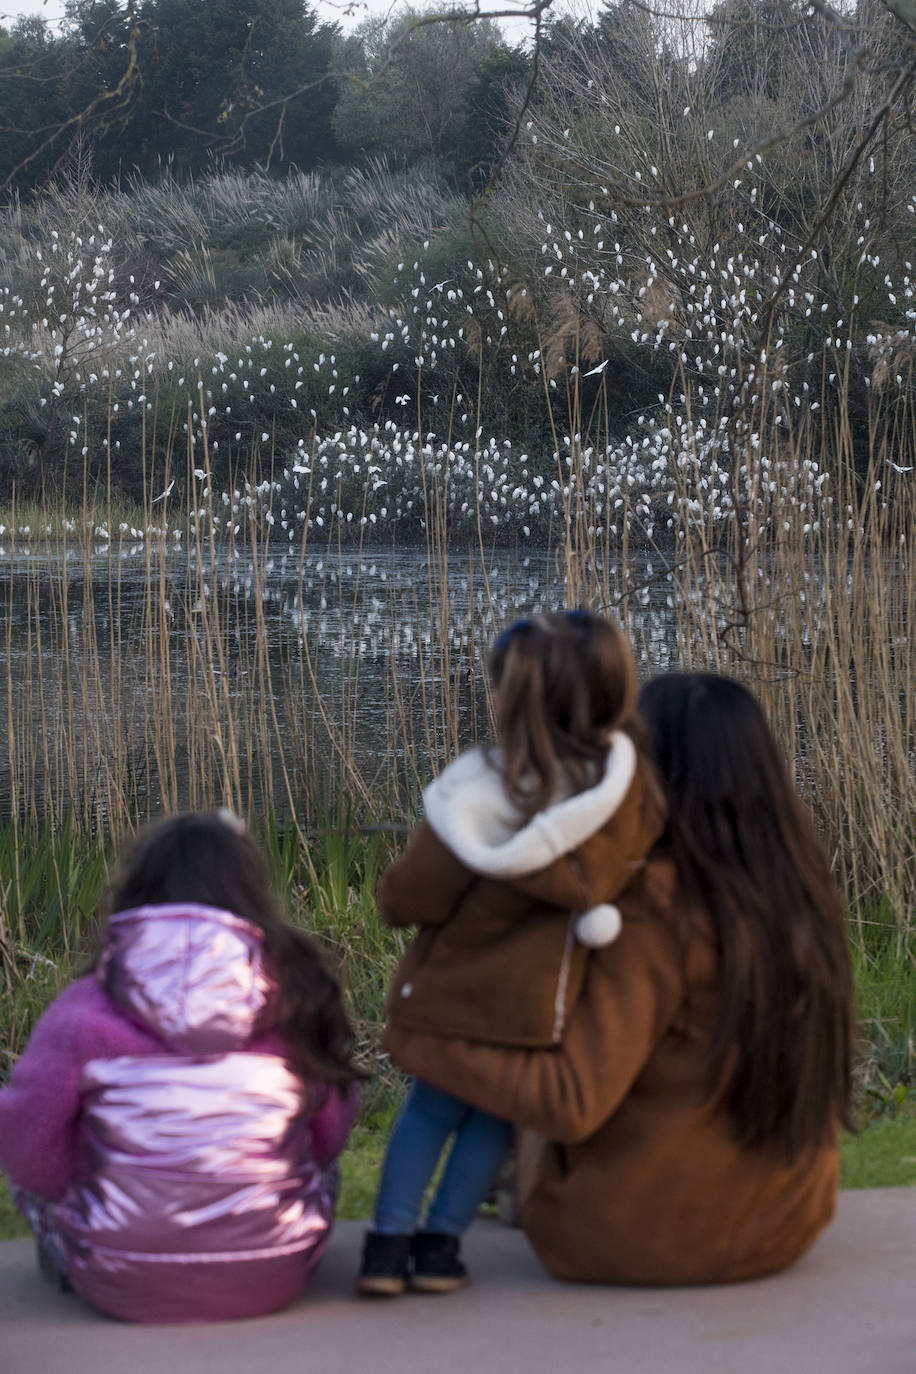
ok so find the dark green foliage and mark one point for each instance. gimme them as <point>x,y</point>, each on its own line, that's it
<point>176,84</point>
<point>411,87</point>
<point>53,879</point>
<point>243,79</point>
<point>33,102</point>
<point>487,125</point>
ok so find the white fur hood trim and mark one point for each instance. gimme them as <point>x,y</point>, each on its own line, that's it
<point>468,809</point>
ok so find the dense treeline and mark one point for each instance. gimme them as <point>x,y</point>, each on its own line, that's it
<point>180,84</point>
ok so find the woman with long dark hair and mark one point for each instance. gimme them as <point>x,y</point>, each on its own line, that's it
<point>687,1125</point>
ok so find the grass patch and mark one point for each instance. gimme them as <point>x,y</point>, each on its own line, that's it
<point>12,1225</point>
<point>361,1163</point>
<point>883,1154</point>
<point>884,969</point>
<point>39,981</point>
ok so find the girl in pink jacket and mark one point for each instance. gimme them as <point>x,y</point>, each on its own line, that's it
<point>171,1126</point>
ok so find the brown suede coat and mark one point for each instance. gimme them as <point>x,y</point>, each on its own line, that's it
<point>635,1179</point>
<point>496,959</point>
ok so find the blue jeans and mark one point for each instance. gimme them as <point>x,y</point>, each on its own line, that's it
<point>428,1119</point>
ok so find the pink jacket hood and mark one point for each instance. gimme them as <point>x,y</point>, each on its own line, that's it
<point>193,975</point>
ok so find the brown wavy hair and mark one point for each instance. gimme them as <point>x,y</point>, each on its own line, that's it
<point>563,682</point>
<point>211,858</point>
<point>747,857</point>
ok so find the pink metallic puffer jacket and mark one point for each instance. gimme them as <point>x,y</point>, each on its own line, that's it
<point>154,1103</point>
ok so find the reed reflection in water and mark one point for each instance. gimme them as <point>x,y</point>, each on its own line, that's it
<point>150,677</point>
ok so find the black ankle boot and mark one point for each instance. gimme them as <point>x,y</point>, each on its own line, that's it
<point>437,1266</point>
<point>385,1266</point>
<point>50,1270</point>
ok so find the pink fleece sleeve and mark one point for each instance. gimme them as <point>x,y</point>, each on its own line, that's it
<point>40,1107</point>
<point>331,1126</point>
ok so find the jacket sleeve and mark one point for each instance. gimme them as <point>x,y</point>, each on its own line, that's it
<point>331,1126</point>
<point>631,994</point>
<point>40,1107</point>
<point>425,884</point>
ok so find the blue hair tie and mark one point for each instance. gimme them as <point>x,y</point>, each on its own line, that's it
<point>579,616</point>
<point>503,640</point>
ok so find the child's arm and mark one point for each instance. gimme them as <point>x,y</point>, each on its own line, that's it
<point>425,884</point>
<point>331,1126</point>
<point>631,994</point>
<point>39,1109</point>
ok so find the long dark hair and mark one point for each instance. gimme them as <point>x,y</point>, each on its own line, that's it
<point>747,858</point>
<point>212,858</point>
<point>563,683</point>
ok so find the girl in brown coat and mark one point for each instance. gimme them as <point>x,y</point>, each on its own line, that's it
<point>511,878</point>
<point>687,1124</point>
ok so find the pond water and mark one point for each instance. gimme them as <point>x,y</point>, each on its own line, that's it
<point>124,666</point>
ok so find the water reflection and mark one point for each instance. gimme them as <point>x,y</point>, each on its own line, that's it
<point>134,674</point>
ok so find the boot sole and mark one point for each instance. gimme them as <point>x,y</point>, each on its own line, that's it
<point>421,1284</point>
<point>381,1286</point>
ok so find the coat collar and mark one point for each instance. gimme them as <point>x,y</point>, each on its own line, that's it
<point>469,811</point>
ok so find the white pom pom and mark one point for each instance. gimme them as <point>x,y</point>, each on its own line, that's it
<point>233,821</point>
<point>600,926</point>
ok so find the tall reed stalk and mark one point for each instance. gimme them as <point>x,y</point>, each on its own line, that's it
<point>805,592</point>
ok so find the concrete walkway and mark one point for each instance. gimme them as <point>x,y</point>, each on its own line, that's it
<point>849,1307</point>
